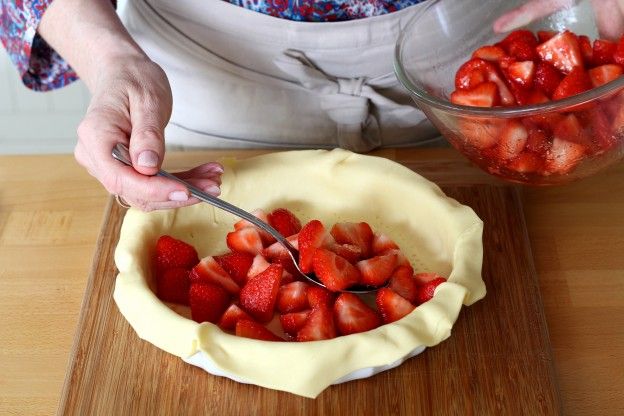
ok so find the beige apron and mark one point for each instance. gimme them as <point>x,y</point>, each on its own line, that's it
<point>244,79</point>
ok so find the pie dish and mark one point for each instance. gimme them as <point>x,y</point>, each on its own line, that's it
<point>435,232</point>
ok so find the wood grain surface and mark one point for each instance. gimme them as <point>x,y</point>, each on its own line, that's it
<point>497,361</point>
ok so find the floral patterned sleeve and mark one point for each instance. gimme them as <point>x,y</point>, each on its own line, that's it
<point>40,67</point>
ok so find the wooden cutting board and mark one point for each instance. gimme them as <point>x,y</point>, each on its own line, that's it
<point>497,361</point>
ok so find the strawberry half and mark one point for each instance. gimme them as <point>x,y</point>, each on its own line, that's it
<point>250,329</point>
<point>356,233</point>
<point>319,297</point>
<point>521,73</point>
<point>209,271</point>
<point>318,326</point>
<point>174,253</point>
<point>284,221</point>
<point>377,270</point>
<point>352,315</point>
<point>403,283</point>
<point>547,78</point>
<point>173,285</point>
<point>512,140</point>
<point>335,272</point>
<point>382,243</point>
<point>236,264</point>
<point>292,297</point>
<point>426,291</point>
<point>267,239</point>
<point>571,129</point>
<point>563,51</point>
<point>483,95</point>
<point>208,302</point>
<point>312,236</point>
<point>391,305</point>
<point>564,156</point>
<point>293,322</point>
<point>576,82</point>
<point>258,265</point>
<point>245,240</point>
<point>489,53</point>
<point>231,316</point>
<point>600,75</point>
<point>259,294</point>
<point>277,250</point>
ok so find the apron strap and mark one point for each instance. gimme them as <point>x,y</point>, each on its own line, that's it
<point>351,102</point>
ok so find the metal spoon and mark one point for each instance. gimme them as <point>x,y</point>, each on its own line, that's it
<point>121,153</point>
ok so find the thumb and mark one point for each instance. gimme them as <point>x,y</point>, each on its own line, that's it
<point>147,142</point>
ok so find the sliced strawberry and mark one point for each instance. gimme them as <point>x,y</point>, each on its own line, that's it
<point>174,253</point>
<point>267,239</point>
<point>603,52</point>
<point>600,75</point>
<point>599,129</point>
<point>426,291</point>
<point>425,277</point>
<point>258,265</point>
<point>522,73</point>
<point>480,133</point>
<point>512,140</point>
<point>312,236</point>
<point>576,82</point>
<point>208,302</point>
<point>402,259</point>
<point>292,297</point>
<point>318,326</point>
<point>284,221</point>
<point>547,78</point>
<point>231,316</point>
<point>358,233</point>
<point>471,74</point>
<point>259,294</point>
<point>522,51</point>
<point>526,162</point>
<point>335,272</point>
<point>403,283</point>
<point>563,51</point>
<point>236,264</point>
<point>586,49</point>
<point>483,95</point>
<point>173,285</point>
<point>382,243</point>
<point>319,297</point>
<point>209,271</point>
<point>538,141</point>
<point>544,35</point>
<point>288,265</point>
<point>564,156</point>
<point>571,129</point>
<point>489,53</point>
<point>618,55</point>
<point>250,329</point>
<point>277,250</point>
<point>377,270</point>
<point>350,252</point>
<point>293,322</point>
<point>521,35</point>
<point>391,305</point>
<point>351,315</point>
<point>245,240</point>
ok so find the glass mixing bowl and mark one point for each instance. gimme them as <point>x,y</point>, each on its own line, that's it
<point>443,35</point>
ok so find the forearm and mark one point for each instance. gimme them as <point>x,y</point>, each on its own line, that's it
<point>88,34</point>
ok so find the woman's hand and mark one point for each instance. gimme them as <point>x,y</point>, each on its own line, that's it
<point>130,104</point>
<point>609,15</point>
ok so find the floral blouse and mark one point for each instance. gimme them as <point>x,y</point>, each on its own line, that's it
<point>42,69</point>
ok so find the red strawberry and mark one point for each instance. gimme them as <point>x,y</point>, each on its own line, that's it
<point>250,329</point>
<point>277,250</point>
<point>209,271</point>
<point>318,326</point>
<point>391,305</point>
<point>267,239</point>
<point>526,162</point>
<point>563,51</point>
<point>312,236</point>
<point>603,52</point>
<point>544,35</point>
<point>403,283</point>
<point>618,55</point>
<point>293,322</point>
<point>245,240</point>
<point>173,285</point>
<point>208,302</point>
<point>284,221</point>
<point>600,75</point>
<point>358,233</point>
<point>586,49</point>
<point>512,140</point>
<point>522,35</point>
<point>258,265</point>
<point>547,78</point>
<point>319,297</point>
<point>288,265</point>
<point>351,315</point>
<point>570,129</point>
<point>522,51</point>
<point>232,315</point>
<point>350,252</point>
<point>599,128</point>
<point>383,243</point>
<point>564,156</point>
<point>489,53</point>
<point>481,133</point>
<point>402,260</point>
<point>259,294</point>
<point>522,73</point>
<point>538,140</point>
<point>236,264</point>
<point>426,291</point>
<point>471,74</point>
<point>335,272</point>
<point>576,82</point>
<point>483,95</point>
<point>292,297</point>
<point>377,270</point>
<point>172,253</point>
<point>425,277</point>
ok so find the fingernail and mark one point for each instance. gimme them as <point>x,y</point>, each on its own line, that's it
<point>148,159</point>
<point>214,190</point>
<point>178,196</point>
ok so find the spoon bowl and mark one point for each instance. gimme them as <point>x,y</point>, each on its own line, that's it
<point>120,152</point>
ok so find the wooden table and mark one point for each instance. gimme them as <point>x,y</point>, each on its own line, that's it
<point>51,212</point>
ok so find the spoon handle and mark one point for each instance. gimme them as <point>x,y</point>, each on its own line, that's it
<point>121,153</point>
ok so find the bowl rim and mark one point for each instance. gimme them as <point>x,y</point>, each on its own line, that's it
<point>421,96</point>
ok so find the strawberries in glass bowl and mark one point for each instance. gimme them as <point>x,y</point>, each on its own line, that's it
<point>537,105</point>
